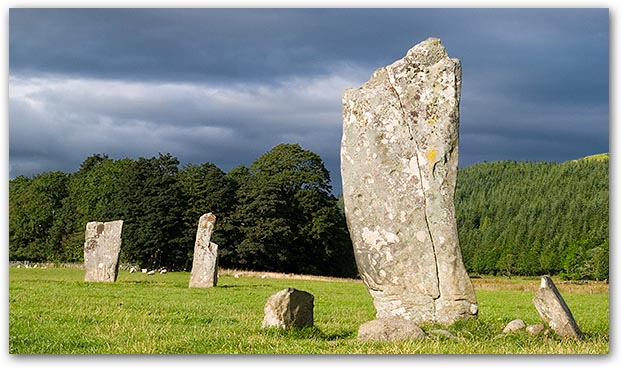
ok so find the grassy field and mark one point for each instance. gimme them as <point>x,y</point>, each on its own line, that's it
<point>52,311</point>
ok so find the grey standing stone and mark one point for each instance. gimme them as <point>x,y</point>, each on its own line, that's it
<point>554,311</point>
<point>204,272</point>
<point>399,161</point>
<point>390,329</point>
<point>101,251</point>
<point>288,308</point>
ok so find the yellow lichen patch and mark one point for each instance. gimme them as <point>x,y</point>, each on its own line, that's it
<point>431,121</point>
<point>431,155</point>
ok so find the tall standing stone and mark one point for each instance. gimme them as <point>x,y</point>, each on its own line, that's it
<point>101,251</point>
<point>204,272</point>
<point>554,311</point>
<point>399,161</point>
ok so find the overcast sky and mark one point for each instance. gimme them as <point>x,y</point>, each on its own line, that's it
<point>226,85</point>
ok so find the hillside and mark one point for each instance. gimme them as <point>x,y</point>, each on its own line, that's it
<point>598,157</point>
<point>535,217</point>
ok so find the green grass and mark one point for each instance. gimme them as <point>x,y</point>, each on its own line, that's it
<point>52,311</point>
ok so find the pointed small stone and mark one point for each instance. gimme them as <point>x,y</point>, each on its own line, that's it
<point>554,311</point>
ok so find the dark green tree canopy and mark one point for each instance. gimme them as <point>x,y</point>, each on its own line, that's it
<point>531,218</point>
<point>276,215</point>
<point>152,213</point>
<point>292,168</point>
<point>35,207</point>
<point>286,217</point>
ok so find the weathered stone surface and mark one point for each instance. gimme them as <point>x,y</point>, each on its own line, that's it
<point>390,329</point>
<point>535,329</point>
<point>204,272</point>
<point>554,311</point>
<point>289,308</point>
<point>514,325</point>
<point>399,160</point>
<point>101,251</point>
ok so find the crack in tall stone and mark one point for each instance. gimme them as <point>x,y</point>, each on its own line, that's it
<point>425,205</point>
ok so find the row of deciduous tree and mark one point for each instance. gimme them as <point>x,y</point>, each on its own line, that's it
<point>514,218</point>
<point>276,215</point>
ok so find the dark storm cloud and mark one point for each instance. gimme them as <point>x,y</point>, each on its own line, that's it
<point>197,122</point>
<point>225,85</point>
<point>263,43</point>
<point>169,44</point>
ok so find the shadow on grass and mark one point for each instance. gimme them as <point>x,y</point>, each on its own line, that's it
<point>305,333</point>
<point>254,286</point>
<point>139,282</point>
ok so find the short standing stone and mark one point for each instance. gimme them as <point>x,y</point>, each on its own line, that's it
<point>399,164</point>
<point>101,251</point>
<point>514,325</point>
<point>288,308</point>
<point>204,272</point>
<point>554,311</point>
<point>390,329</point>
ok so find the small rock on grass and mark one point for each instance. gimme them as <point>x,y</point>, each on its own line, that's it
<point>390,329</point>
<point>515,325</point>
<point>535,329</point>
<point>289,308</point>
